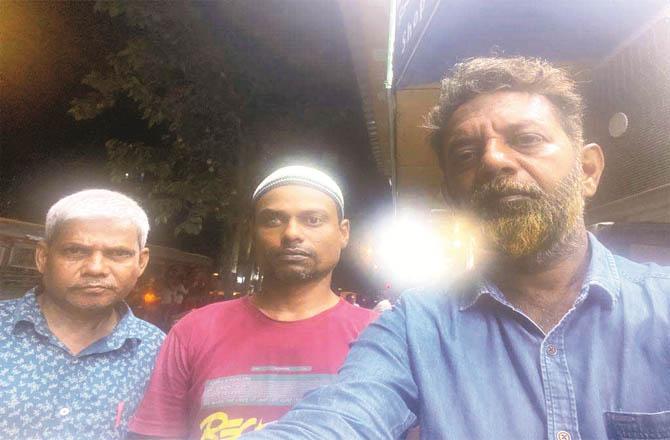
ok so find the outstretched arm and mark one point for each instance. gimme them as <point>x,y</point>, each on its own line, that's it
<point>374,397</point>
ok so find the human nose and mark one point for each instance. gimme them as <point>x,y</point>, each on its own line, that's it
<point>498,158</point>
<point>292,231</point>
<point>95,265</point>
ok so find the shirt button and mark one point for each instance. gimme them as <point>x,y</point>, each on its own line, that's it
<point>551,351</point>
<point>563,435</point>
<point>75,361</point>
<point>64,411</point>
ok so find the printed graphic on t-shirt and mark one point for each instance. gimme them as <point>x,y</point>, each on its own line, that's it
<point>233,405</point>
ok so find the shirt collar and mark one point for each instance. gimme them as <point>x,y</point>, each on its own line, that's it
<point>29,311</point>
<point>482,288</point>
<point>602,280</point>
<point>602,276</point>
<point>129,327</point>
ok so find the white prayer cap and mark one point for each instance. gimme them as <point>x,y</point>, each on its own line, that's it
<point>301,175</point>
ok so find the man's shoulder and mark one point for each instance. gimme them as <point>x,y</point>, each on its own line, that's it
<point>217,308</point>
<point>149,334</point>
<point>11,309</point>
<point>615,268</point>
<point>434,297</point>
<point>9,305</point>
<point>646,282</point>
<point>210,314</point>
<point>8,310</point>
<point>639,272</point>
<point>358,314</point>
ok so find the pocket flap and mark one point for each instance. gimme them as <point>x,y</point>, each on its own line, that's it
<point>637,426</point>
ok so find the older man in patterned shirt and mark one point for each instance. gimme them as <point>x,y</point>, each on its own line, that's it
<point>74,361</point>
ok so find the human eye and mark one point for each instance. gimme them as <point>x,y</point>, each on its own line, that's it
<point>528,139</point>
<point>74,251</point>
<point>119,253</point>
<point>314,220</point>
<point>271,220</point>
<point>463,153</point>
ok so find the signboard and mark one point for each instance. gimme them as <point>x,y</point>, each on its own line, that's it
<point>412,18</point>
<point>432,35</point>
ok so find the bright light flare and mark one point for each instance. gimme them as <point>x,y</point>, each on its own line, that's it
<point>411,251</point>
<point>415,251</point>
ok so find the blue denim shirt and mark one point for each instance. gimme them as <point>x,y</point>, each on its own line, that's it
<point>466,364</point>
<point>47,393</point>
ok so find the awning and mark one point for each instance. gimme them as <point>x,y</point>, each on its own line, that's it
<point>432,35</point>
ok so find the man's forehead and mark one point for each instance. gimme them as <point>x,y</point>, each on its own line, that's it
<point>296,197</point>
<point>503,108</point>
<point>111,231</point>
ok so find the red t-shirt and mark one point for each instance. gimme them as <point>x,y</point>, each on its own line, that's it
<point>227,368</point>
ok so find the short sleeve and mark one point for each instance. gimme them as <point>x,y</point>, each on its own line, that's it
<point>164,409</point>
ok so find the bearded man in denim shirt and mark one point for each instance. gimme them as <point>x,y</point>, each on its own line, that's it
<point>74,360</point>
<point>556,338</point>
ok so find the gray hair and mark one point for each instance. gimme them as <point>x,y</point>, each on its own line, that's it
<point>93,204</point>
<point>478,76</point>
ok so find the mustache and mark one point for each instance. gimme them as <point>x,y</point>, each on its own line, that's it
<point>90,284</point>
<point>503,187</point>
<point>291,250</point>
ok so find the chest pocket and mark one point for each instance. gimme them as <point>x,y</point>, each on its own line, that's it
<point>638,426</point>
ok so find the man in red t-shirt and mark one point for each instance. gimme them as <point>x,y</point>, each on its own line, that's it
<point>235,366</point>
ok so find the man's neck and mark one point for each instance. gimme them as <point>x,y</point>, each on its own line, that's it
<point>293,302</point>
<point>548,290</point>
<point>76,329</point>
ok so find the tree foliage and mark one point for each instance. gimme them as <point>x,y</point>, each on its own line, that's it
<point>215,100</point>
<point>177,74</point>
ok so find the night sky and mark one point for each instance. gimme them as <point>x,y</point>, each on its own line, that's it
<point>48,47</point>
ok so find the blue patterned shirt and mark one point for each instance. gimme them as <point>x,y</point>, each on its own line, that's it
<point>47,393</point>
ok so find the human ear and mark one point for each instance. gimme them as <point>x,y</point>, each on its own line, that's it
<point>593,164</point>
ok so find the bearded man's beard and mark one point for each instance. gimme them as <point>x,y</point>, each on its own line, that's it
<point>292,275</point>
<point>536,225</point>
<point>287,273</point>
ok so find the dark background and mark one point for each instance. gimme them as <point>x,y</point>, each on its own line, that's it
<point>48,47</point>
